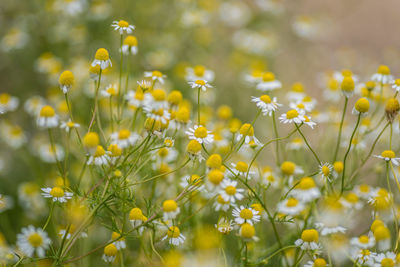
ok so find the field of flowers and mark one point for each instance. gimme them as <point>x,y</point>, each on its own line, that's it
<point>194,133</point>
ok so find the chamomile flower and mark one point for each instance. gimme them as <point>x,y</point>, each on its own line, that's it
<point>47,118</point>
<point>245,215</point>
<point>120,243</point>
<point>296,143</point>
<point>8,103</point>
<point>246,132</point>
<point>69,125</point>
<point>135,98</point>
<point>221,204</point>
<point>326,171</point>
<point>123,27</point>
<point>306,190</point>
<point>266,104</point>
<point>309,240</point>
<point>158,114</point>
<point>386,259</point>
<point>396,85</point>
<point>155,76</point>
<point>364,191</point>
<point>388,156</point>
<point>170,209</point>
<point>199,72</point>
<point>340,75</point>
<point>363,241</point>
<point>66,81</point>
<point>100,157</point>
<point>130,45</point>
<point>318,262</point>
<point>230,192</point>
<point>190,181</point>
<point>137,219</point>
<point>33,105</point>
<point>347,86</point>
<point>110,91</point>
<point>110,253</point>
<point>351,200</point>
<point>309,122</point>
<point>200,134</point>
<point>290,206</point>
<point>102,59</point>
<point>382,75</point>
<point>200,84</point>
<point>361,106</point>
<point>268,82</point>
<point>248,232</point>
<point>57,194</point>
<point>193,148</point>
<point>329,229</point>
<point>33,240</point>
<point>124,138</point>
<point>292,116</point>
<point>51,154</point>
<point>224,225</point>
<point>174,236</point>
<point>365,256</point>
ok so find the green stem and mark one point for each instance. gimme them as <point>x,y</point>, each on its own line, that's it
<point>198,106</point>
<point>308,145</point>
<point>346,100</point>
<point>278,163</point>
<point>95,101</point>
<point>50,214</point>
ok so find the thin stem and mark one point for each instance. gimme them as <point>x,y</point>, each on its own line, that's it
<point>50,214</point>
<point>348,151</point>
<point>346,100</point>
<point>308,145</point>
<point>95,101</point>
<point>278,163</point>
<point>198,106</point>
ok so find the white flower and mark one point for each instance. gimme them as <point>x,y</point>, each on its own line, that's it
<point>100,157</point>
<point>396,85</point>
<point>306,190</point>
<point>200,84</point>
<point>124,138</point>
<point>68,125</point>
<point>201,134</point>
<point>292,116</point>
<point>8,103</point>
<point>33,240</point>
<point>290,206</point>
<point>199,73</point>
<point>309,122</point>
<point>109,91</point>
<point>268,82</point>
<point>57,194</point>
<point>47,118</point>
<point>388,156</point>
<point>307,245</point>
<point>158,114</point>
<point>224,225</point>
<point>241,168</point>
<point>51,154</point>
<point>122,26</point>
<point>221,204</point>
<point>155,75</point>
<point>389,258</point>
<point>363,241</point>
<point>266,104</point>
<point>171,210</point>
<point>174,236</point>
<point>230,192</point>
<point>327,230</point>
<point>245,215</point>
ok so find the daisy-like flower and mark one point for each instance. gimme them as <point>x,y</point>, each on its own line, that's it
<point>386,259</point>
<point>174,236</point>
<point>200,134</point>
<point>388,156</point>
<point>246,131</point>
<point>51,154</point>
<point>326,171</point>
<point>124,138</point>
<point>230,192</point>
<point>156,99</point>
<point>199,72</point>
<point>364,191</point>
<point>241,168</point>
<point>155,75</point>
<point>110,91</point>
<point>306,190</point>
<point>300,107</point>
<point>318,262</point>
<point>110,253</point>
<point>137,219</point>
<point>122,26</point>
<point>382,75</point>
<point>365,256</point>
<point>361,106</point>
<point>194,150</point>
<point>221,204</point>
<point>66,81</point>
<point>158,114</point>
<point>309,240</point>
<point>102,58</point>
<point>269,178</point>
<point>57,194</point>
<point>47,118</point>
<point>8,103</point>
<point>190,181</point>
<point>248,232</point>
<point>292,116</point>
<point>347,86</point>
<point>340,75</point>
<point>32,105</point>
<point>266,104</point>
<point>268,82</point>
<point>200,84</point>
<point>297,92</point>
<point>135,98</point>
<point>33,240</point>
<point>69,125</point>
<point>296,144</point>
<point>224,225</point>
<point>290,206</point>
<point>144,85</point>
<point>363,241</point>
<point>396,85</point>
<point>14,135</point>
<point>309,122</point>
<point>100,157</point>
<point>120,243</point>
<point>245,215</point>
<point>351,200</point>
<point>327,230</point>
<point>170,209</point>
<point>129,45</point>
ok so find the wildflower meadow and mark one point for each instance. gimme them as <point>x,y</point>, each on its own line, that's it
<point>194,133</point>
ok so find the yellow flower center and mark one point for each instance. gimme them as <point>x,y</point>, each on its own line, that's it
<point>199,70</point>
<point>111,91</point>
<point>300,106</point>
<point>266,99</point>
<point>247,130</point>
<point>325,170</point>
<point>352,197</point>
<point>230,190</point>
<point>298,87</point>
<point>135,214</point>
<point>347,84</point>
<point>306,183</point>
<point>115,150</point>
<point>157,73</point>
<point>4,98</point>
<point>392,105</point>
<point>91,139</point>
<point>388,154</point>
<point>338,166</point>
<point>215,176</point>
<point>130,41</point>
<point>47,112</point>
<point>387,262</point>
<point>175,97</point>
<point>319,263</point>
<point>241,166</point>
<point>193,147</point>
<point>110,250</point>
<point>381,233</point>
<point>66,78</point>
<point>214,161</point>
<point>363,239</point>
<point>247,230</point>
<point>124,134</point>
<point>173,232</point>
<point>292,202</point>
<point>35,240</point>
<point>99,152</point>
<point>362,105</point>
<point>201,132</point>
<point>123,23</point>
<point>268,77</point>
<point>200,82</point>
<point>57,192</point>
<point>102,54</point>
<point>221,200</point>
<point>163,152</point>
<point>159,95</point>
<point>364,188</point>
<point>288,167</point>
<point>384,70</point>
<point>291,114</point>
<point>309,235</point>
<point>246,214</point>
<point>169,205</point>
<point>70,124</point>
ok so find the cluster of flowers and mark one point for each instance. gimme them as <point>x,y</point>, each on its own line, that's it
<point>169,166</point>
